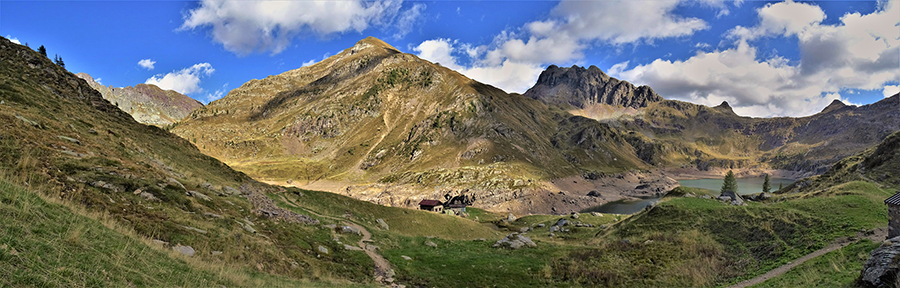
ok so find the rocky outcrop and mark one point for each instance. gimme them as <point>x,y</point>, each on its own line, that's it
<point>580,87</point>
<point>147,103</point>
<point>883,265</point>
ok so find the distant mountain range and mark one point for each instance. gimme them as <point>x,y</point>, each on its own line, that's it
<point>147,103</point>
<point>392,128</point>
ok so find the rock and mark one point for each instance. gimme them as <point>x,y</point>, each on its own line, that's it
<point>430,243</point>
<point>382,224</point>
<point>554,228</point>
<point>597,214</point>
<point>70,139</point>
<point>593,193</point>
<point>330,226</point>
<point>228,190</point>
<point>246,226</point>
<point>173,182</point>
<point>514,241</point>
<point>524,229</point>
<point>406,257</point>
<point>511,218</point>
<point>214,253</point>
<point>160,242</point>
<point>201,231</point>
<point>213,215</point>
<point>541,225</point>
<point>561,222</point>
<point>882,267</point>
<point>323,250</point>
<point>208,186</point>
<point>149,197</point>
<point>574,215</point>
<point>350,230</point>
<point>706,197</point>
<point>184,250</point>
<point>579,225</point>
<point>582,87</point>
<point>198,195</point>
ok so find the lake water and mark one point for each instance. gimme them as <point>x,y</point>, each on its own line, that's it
<point>745,185</point>
<point>622,206</point>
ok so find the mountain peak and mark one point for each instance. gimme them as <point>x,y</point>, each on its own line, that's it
<point>835,105</point>
<point>371,42</point>
<point>724,107</point>
<point>580,87</point>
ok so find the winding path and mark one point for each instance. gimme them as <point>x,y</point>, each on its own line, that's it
<point>878,236</point>
<point>383,272</point>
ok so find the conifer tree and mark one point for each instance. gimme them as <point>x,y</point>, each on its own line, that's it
<point>766,185</point>
<point>730,183</point>
<point>60,62</point>
<point>42,50</point>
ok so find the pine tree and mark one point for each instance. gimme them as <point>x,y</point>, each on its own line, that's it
<point>730,183</point>
<point>766,186</point>
<point>42,50</point>
<point>60,62</point>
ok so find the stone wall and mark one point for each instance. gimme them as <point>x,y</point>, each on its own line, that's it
<point>894,222</point>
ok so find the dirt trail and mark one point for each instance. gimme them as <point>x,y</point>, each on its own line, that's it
<point>878,236</point>
<point>383,272</point>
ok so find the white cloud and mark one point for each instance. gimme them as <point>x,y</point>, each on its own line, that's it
<point>508,75</point>
<point>310,62</point>
<point>408,19</point>
<point>217,95</point>
<point>98,80</point>
<point>890,90</point>
<point>185,81</point>
<point>13,40</point>
<point>146,63</point>
<point>515,58</point>
<point>861,52</point>
<point>253,26</point>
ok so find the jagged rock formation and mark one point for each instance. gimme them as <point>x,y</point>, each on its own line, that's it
<point>147,103</point>
<point>581,88</point>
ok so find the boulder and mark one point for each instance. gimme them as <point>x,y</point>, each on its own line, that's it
<point>323,250</point>
<point>184,250</point>
<point>561,222</point>
<point>430,243</point>
<point>198,195</point>
<point>228,190</point>
<point>883,265</point>
<point>173,182</point>
<point>514,241</point>
<point>510,217</point>
<point>350,230</point>
<point>574,215</point>
<point>597,214</point>
<point>382,224</point>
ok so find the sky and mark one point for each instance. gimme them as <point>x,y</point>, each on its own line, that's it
<point>766,59</point>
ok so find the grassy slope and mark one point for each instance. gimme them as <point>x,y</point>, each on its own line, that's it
<point>838,268</point>
<point>49,244</point>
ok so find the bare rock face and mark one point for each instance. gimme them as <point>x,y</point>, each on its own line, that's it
<point>147,103</point>
<point>580,87</point>
<point>883,265</point>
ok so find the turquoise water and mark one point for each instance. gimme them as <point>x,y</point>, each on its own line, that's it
<point>745,185</point>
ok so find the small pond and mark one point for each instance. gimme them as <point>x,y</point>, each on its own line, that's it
<point>745,185</point>
<point>622,206</point>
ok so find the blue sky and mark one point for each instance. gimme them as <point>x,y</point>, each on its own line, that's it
<point>764,58</point>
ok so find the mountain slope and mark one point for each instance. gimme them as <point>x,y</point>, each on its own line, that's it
<point>375,117</point>
<point>147,103</point>
<point>62,139</point>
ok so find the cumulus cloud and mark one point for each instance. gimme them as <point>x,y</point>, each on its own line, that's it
<point>217,95</point>
<point>861,52</point>
<point>146,63</point>
<point>13,39</point>
<point>408,19</point>
<point>185,81</point>
<point>514,59</point>
<point>253,26</point>
<point>890,90</point>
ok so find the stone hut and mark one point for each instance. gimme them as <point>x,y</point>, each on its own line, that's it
<point>893,204</point>
<point>431,205</point>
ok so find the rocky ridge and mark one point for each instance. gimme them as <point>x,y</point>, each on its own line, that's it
<point>147,103</point>
<point>581,88</point>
